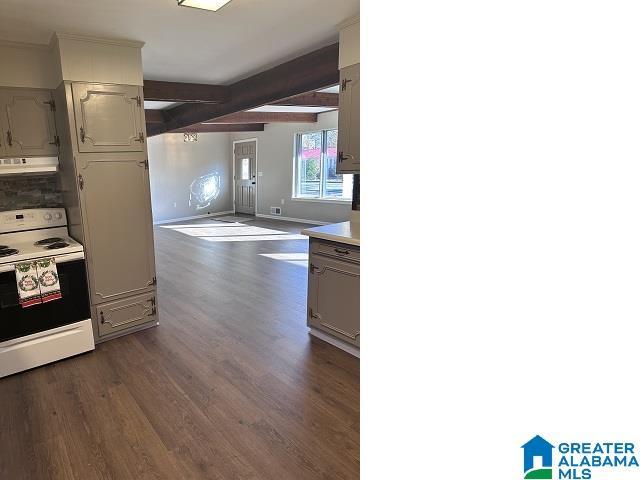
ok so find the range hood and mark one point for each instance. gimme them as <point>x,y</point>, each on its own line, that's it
<point>31,165</point>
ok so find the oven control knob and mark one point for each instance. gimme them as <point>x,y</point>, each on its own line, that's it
<point>58,216</point>
<point>47,216</point>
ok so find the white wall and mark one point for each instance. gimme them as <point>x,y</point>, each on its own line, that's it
<point>174,164</point>
<point>102,60</point>
<point>275,161</point>
<point>25,65</point>
<point>70,57</point>
<point>349,43</point>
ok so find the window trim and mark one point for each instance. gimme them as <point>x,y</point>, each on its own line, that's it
<point>321,200</point>
<point>297,138</point>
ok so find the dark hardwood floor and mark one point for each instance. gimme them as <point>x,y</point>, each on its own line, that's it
<point>230,385</point>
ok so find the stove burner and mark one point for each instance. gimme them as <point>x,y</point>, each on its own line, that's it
<point>47,241</point>
<point>3,247</point>
<point>56,245</point>
<point>8,252</point>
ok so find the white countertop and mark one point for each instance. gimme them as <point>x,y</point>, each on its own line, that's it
<point>344,232</point>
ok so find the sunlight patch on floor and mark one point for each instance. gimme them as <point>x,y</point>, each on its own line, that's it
<point>232,232</point>
<point>254,238</point>
<point>300,259</point>
<point>202,225</point>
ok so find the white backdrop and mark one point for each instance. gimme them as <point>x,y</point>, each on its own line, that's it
<point>501,299</point>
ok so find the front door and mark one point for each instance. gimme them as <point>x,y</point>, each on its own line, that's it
<point>245,176</point>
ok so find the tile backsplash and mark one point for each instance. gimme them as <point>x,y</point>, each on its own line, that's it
<point>38,191</point>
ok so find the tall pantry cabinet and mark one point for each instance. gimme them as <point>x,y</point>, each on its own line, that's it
<point>105,178</point>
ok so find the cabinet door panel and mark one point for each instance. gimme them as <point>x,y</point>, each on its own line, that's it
<point>334,298</point>
<point>3,123</point>
<point>28,123</point>
<point>118,228</point>
<point>108,117</point>
<point>349,120</point>
<point>124,314</point>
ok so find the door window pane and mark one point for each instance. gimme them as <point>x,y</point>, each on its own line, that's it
<point>245,169</point>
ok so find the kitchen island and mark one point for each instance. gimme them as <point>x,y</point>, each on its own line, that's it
<point>333,299</point>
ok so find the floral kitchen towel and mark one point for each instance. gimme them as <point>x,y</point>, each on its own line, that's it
<point>28,285</point>
<point>48,279</point>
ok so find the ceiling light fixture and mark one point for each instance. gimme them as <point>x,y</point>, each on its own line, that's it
<point>213,5</point>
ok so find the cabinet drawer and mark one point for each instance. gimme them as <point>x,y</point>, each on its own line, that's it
<point>336,250</point>
<point>124,314</point>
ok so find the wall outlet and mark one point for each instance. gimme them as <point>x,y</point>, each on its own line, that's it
<point>276,211</point>
<point>175,205</point>
<point>282,201</point>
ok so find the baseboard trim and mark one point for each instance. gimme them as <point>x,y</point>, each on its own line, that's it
<point>182,219</point>
<point>291,219</point>
<point>336,342</point>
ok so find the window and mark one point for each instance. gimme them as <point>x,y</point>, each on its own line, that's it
<point>315,174</point>
<point>245,169</point>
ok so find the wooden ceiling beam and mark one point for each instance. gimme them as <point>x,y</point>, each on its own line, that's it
<point>152,128</point>
<point>153,116</point>
<point>157,118</point>
<point>158,91</point>
<point>267,117</point>
<point>314,71</point>
<point>311,99</point>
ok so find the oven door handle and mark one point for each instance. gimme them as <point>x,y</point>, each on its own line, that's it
<point>69,257</point>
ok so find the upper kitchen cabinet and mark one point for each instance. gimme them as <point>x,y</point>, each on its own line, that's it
<point>28,126</point>
<point>349,120</point>
<point>349,99</point>
<point>109,118</point>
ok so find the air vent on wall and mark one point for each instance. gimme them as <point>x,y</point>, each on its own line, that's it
<point>276,211</point>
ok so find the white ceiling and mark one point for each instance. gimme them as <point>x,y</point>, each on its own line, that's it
<point>186,44</point>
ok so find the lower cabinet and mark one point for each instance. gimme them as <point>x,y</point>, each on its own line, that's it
<point>124,314</point>
<point>333,304</point>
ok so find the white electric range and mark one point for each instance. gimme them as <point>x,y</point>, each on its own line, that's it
<point>46,332</point>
